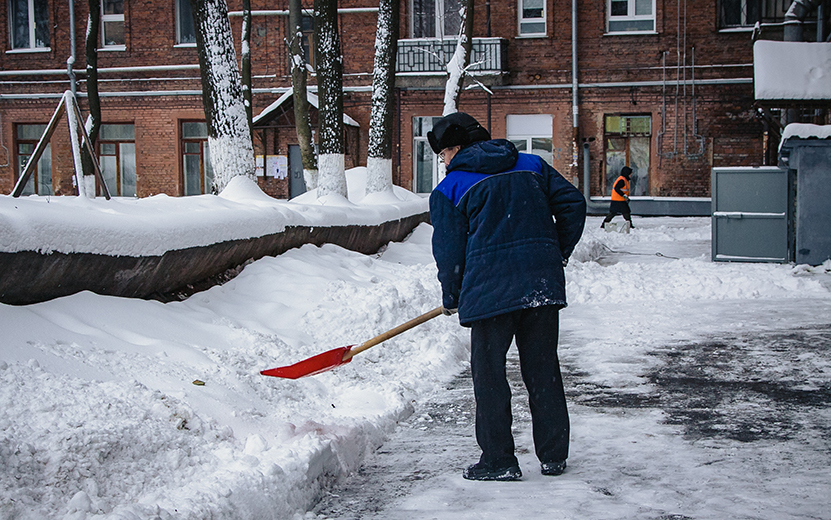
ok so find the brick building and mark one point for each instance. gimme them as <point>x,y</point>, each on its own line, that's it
<point>665,87</point>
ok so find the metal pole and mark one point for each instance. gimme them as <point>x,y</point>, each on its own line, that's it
<point>71,60</point>
<point>575,111</point>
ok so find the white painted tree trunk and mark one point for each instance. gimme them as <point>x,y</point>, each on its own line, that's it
<point>379,153</point>
<point>332,178</point>
<point>229,136</point>
<point>330,163</point>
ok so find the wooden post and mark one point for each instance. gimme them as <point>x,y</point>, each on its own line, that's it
<point>41,146</point>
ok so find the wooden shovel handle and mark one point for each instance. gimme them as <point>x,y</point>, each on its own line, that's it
<point>392,333</point>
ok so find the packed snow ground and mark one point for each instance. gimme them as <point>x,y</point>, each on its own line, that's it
<point>103,416</point>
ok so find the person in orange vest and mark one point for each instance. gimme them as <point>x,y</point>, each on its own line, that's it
<point>620,198</point>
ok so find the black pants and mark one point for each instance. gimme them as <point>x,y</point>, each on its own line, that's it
<point>618,207</point>
<point>536,331</point>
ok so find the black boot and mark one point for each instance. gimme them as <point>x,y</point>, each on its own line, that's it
<point>553,468</point>
<point>485,471</point>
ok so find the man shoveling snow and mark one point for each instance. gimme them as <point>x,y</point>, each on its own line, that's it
<point>500,258</point>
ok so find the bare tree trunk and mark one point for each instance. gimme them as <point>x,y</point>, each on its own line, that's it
<point>301,100</point>
<point>379,156</point>
<point>229,135</point>
<point>457,67</point>
<point>93,122</point>
<point>332,177</point>
<point>247,93</point>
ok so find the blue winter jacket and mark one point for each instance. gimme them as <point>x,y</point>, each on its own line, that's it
<point>496,245</point>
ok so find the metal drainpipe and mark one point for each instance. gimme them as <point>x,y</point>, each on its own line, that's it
<point>593,207</point>
<point>71,60</point>
<point>575,111</point>
<point>796,14</point>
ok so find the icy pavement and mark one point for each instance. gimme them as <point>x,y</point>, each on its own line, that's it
<point>698,409</point>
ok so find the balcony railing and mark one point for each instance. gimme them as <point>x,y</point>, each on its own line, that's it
<point>488,55</point>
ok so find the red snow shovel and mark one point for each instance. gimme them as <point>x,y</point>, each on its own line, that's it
<point>342,355</point>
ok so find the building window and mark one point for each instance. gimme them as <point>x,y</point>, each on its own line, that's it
<point>307,26</point>
<point>745,13</point>
<point>40,182</point>
<point>29,24</point>
<point>117,155</point>
<point>532,134</point>
<point>196,162</point>
<point>631,15</point>
<point>426,170</point>
<point>627,140</point>
<point>532,17</point>
<point>185,30</point>
<point>112,23</point>
<point>435,18</point>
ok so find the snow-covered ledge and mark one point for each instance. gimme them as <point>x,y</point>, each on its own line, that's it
<point>160,246</point>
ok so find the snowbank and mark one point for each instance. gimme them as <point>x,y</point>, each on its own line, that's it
<point>154,225</point>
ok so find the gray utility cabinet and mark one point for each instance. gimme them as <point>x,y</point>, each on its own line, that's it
<point>808,162</point>
<point>750,208</point>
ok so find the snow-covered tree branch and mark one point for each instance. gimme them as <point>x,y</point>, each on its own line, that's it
<point>458,64</point>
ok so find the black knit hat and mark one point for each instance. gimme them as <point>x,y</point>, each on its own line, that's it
<point>626,171</point>
<point>457,129</point>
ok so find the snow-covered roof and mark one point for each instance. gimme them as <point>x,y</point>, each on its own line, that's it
<point>806,131</point>
<point>792,70</point>
<point>313,100</point>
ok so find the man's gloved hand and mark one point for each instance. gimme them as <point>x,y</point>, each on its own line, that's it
<point>449,312</point>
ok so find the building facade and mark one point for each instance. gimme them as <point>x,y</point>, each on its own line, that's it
<point>665,87</point>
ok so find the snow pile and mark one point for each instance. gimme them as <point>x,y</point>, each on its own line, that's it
<point>154,225</point>
<point>105,415</point>
<point>792,70</point>
<point>356,181</point>
<point>102,419</point>
<point>805,131</point>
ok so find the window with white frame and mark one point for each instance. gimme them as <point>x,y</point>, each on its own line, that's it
<point>532,17</point>
<point>185,30</point>
<point>196,159</point>
<point>27,137</point>
<point>426,169</point>
<point>112,24</point>
<point>631,15</point>
<point>28,24</point>
<point>117,156</point>
<point>532,134</point>
<point>435,18</point>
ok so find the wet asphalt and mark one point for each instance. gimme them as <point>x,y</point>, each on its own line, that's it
<point>703,388</point>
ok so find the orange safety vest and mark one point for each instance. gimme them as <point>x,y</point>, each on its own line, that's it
<point>615,195</point>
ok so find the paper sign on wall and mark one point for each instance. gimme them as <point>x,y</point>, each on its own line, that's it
<point>281,166</point>
<point>276,166</point>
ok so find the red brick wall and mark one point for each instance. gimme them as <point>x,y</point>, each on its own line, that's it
<point>724,112</point>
